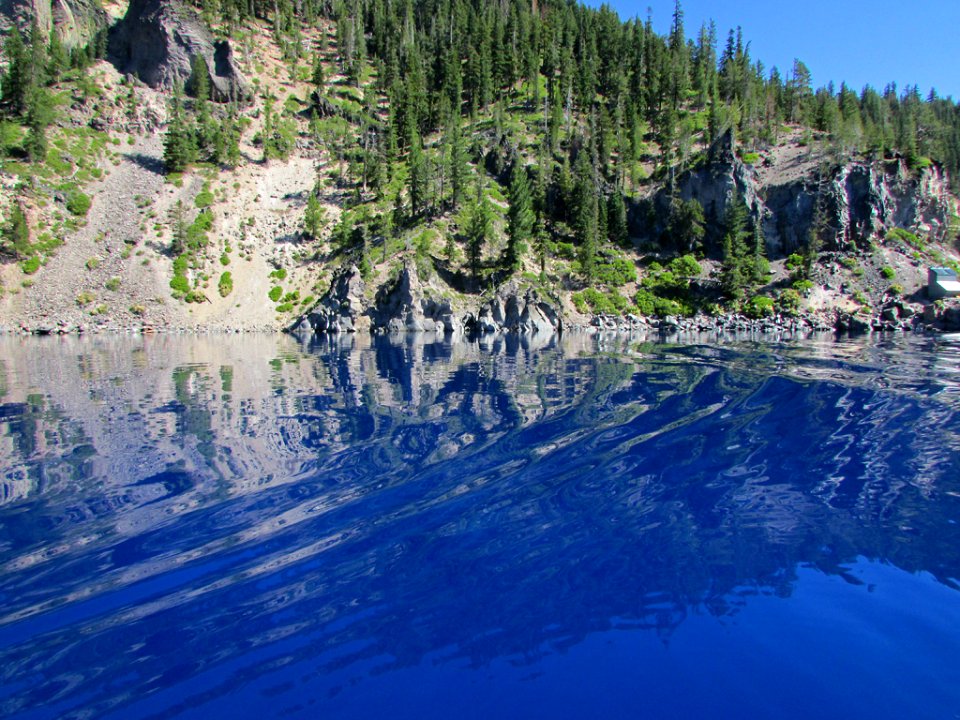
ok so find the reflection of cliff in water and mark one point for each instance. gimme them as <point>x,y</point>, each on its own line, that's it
<point>348,502</point>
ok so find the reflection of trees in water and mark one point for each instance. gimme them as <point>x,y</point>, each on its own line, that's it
<point>480,504</point>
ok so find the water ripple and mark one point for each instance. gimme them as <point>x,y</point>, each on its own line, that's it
<point>359,511</point>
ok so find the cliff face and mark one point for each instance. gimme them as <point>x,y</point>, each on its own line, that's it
<point>76,22</point>
<point>856,200</point>
<point>157,41</point>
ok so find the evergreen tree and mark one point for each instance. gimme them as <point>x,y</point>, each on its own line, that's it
<point>418,177</point>
<point>735,272</point>
<point>314,216</point>
<point>179,230</point>
<point>519,217</point>
<point>458,163</point>
<point>617,220</point>
<point>16,234</point>
<point>39,115</point>
<point>479,228</point>
<point>586,215</point>
<point>17,80</point>
<point>178,144</point>
<point>685,226</point>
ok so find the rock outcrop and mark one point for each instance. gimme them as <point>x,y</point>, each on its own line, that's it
<point>76,22</point>
<point>405,306</point>
<point>857,201</point>
<point>157,41</point>
<point>340,310</point>
<point>511,310</point>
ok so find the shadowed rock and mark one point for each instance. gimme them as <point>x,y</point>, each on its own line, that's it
<point>158,40</point>
<point>340,310</point>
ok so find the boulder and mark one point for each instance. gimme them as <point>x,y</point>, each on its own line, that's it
<point>157,41</point>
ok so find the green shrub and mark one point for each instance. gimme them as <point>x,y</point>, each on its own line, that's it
<point>803,286</point>
<point>225,285</point>
<point>759,306</point>
<point>647,303</point>
<point>224,259</point>
<point>609,303</point>
<point>93,263</point>
<point>566,251</point>
<point>904,236</point>
<point>113,284</point>
<point>85,298</point>
<point>888,272</point>
<point>618,272</point>
<point>284,307</point>
<point>788,302</point>
<point>279,274</point>
<point>180,285</point>
<point>794,262</point>
<point>685,266</point>
<point>275,292</point>
<point>204,199</point>
<point>896,290</point>
<point>78,203</point>
<point>30,265</point>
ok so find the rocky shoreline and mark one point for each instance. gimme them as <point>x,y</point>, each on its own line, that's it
<point>526,314</point>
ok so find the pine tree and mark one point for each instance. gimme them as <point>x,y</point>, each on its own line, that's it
<point>39,115</point>
<point>479,227</point>
<point>586,215</point>
<point>418,177</point>
<point>17,80</point>
<point>314,217</point>
<point>178,144</point>
<point>735,272</point>
<point>617,229</point>
<point>180,230</point>
<point>16,234</point>
<point>519,217</point>
<point>458,163</point>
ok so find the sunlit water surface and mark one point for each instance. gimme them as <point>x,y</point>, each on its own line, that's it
<point>252,527</point>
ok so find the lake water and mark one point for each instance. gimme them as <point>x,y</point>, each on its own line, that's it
<point>250,527</point>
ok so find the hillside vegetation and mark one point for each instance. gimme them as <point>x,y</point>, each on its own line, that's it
<point>550,146</point>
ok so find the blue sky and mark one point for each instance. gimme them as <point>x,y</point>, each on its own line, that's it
<point>876,42</point>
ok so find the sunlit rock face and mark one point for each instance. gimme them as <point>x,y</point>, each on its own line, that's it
<point>76,22</point>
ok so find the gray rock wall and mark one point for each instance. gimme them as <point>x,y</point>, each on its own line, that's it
<point>157,41</point>
<point>859,200</point>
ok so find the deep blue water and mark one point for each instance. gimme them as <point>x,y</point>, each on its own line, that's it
<point>248,527</point>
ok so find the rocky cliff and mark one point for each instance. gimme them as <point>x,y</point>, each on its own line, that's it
<point>157,41</point>
<point>76,22</point>
<point>856,200</point>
